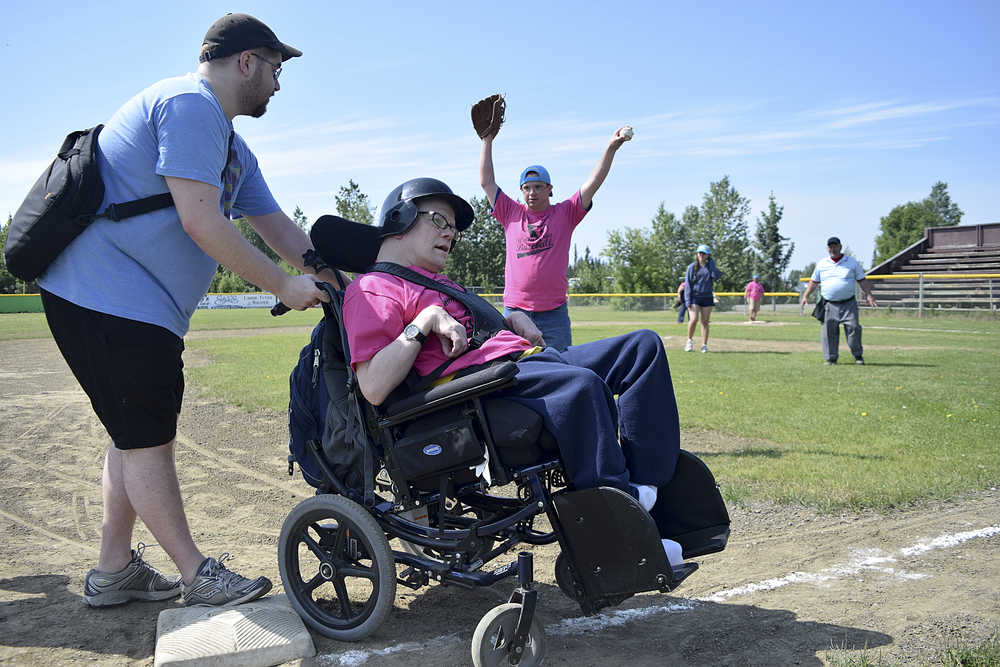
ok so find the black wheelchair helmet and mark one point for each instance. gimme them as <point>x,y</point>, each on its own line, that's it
<point>399,210</point>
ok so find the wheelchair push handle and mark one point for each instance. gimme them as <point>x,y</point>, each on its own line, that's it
<point>280,309</point>
<point>309,258</point>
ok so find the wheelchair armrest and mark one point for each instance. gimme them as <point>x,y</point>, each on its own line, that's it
<point>480,382</point>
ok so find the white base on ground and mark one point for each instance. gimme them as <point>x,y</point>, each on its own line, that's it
<point>256,634</point>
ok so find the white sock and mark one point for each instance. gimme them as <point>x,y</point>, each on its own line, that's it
<point>674,552</point>
<point>647,495</point>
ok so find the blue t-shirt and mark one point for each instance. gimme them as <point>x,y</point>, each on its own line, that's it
<point>147,268</point>
<point>838,280</point>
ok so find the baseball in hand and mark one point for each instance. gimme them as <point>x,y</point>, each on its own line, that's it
<point>627,132</point>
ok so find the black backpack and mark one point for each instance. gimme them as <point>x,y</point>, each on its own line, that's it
<point>62,203</point>
<point>308,398</point>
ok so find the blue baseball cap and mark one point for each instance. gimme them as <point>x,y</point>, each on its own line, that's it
<point>543,175</point>
<point>704,248</point>
<point>756,275</point>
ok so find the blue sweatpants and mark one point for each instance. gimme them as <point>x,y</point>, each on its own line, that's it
<point>596,395</point>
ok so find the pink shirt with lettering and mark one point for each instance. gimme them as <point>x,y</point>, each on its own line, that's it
<point>754,291</point>
<point>377,306</point>
<point>537,251</point>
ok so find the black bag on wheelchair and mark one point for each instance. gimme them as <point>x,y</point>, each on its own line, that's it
<point>323,412</point>
<point>444,441</point>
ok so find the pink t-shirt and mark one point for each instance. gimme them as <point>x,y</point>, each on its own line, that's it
<point>537,251</point>
<point>377,306</point>
<point>754,291</point>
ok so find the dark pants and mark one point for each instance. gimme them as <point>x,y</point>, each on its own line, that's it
<point>575,393</point>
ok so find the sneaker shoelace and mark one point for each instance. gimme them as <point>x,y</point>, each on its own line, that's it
<point>140,547</point>
<point>226,577</point>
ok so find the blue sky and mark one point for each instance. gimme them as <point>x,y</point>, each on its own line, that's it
<point>843,110</point>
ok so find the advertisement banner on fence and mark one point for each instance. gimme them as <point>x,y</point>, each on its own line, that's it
<point>250,300</point>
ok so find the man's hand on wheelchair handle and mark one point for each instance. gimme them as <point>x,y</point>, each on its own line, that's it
<point>300,292</point>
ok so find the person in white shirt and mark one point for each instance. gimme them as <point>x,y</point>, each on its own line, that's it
<point>838,275</point>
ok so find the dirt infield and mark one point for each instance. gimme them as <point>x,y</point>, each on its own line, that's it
<point>791,587</point>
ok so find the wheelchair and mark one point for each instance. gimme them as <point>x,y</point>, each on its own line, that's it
<point>461,480</point>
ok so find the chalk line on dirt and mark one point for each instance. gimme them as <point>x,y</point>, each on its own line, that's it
<point>861,560</point>
<point>360,656</point>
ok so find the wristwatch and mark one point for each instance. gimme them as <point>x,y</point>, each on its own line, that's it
<point>413,332</point>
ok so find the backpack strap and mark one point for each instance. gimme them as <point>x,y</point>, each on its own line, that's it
<point>130,209</point>
<point>136,207</point>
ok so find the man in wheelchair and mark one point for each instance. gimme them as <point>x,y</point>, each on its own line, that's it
<point>609,404</point>
<point>455,394</point>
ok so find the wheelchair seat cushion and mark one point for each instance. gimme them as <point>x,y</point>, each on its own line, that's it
<point>519,433</point>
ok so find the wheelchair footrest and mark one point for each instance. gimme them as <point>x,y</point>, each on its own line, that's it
<point>613,547</point>
<point>682,572</point>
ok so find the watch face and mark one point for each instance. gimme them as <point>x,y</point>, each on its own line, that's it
<point>413,332</point>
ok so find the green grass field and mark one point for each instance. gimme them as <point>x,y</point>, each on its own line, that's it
<point>920,421</point>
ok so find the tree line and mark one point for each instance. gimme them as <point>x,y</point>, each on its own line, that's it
<point>635,260</point>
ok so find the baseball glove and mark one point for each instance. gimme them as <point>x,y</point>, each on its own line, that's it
<point>487,115</point>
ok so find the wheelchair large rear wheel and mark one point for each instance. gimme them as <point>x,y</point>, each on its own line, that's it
<point>337,568</point>
<point>491,640</point>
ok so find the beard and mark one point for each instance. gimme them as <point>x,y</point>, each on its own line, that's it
<point>253,96</point>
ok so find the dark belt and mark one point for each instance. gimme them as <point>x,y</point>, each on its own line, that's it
<point>841,301</point>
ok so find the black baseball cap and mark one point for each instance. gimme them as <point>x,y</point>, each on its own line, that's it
<point>241,32</point>
<point>832,240</point>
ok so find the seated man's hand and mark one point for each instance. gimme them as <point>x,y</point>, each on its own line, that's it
<point>451,333</point>
<point>524,327</point>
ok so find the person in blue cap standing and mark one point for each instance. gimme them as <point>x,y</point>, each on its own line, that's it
<point>699,296</point>
<point>538,237</point>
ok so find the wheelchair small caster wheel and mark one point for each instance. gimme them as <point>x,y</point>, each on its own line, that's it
<point>492,640</point>
<point>565,581</point>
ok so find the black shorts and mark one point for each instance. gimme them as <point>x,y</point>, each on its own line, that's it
<point>132,371</point>
<point>702,301</point>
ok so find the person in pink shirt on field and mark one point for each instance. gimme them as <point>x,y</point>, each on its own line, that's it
<point>754,293</point>
<point>538,237</point>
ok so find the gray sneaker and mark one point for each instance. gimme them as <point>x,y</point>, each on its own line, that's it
<point>216,586</point>
<point>136,581</point>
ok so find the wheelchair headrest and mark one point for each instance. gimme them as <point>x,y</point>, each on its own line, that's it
<point>346,245</point>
